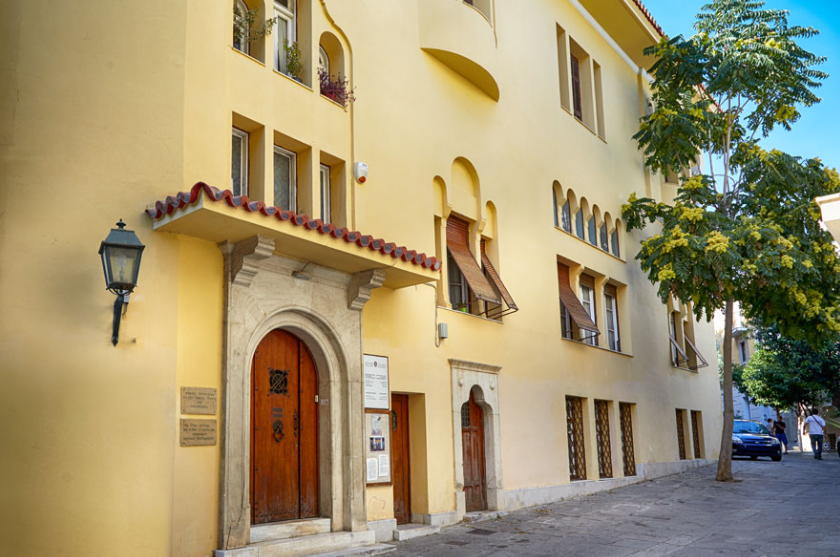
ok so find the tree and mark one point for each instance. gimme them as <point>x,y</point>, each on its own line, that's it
<point>786,372</point>
<point>749,230</point>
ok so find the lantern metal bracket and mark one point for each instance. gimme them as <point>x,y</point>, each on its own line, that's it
<point>119,305</point>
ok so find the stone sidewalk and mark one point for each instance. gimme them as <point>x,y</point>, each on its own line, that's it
<point>777,508</point>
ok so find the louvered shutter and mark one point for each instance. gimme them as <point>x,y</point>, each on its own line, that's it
<point>457,234</point>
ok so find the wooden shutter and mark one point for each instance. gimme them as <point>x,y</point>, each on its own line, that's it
<point>495,279</point>
<point>703,362</point>
<point>587,280</point>
<point>571,301</point>
<point>610,290</point>
<point>576,96</point>
<point>457,234</point>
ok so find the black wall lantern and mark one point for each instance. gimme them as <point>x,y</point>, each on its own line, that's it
<point>120,252</point>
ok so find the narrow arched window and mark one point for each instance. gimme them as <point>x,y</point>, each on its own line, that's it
<point>554,204</point>
<point>566,216</point>
<point>604,238</point>
<point>593,232</point>
<point>579,224</point>
<point>614,241</point>
<point>323,61</point>
<point>240,26</point>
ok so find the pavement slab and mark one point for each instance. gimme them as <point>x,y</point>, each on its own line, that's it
<point>774,509</point>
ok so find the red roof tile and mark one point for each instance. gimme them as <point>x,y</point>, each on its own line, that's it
<point>649,16</point>
<point>182,199</point>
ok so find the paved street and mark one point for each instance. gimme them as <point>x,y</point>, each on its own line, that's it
<point>786,508</point>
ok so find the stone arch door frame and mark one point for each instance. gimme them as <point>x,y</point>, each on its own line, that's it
<point>465,376</point>
<point>262,295</point>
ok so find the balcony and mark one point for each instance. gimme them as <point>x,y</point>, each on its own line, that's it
<point>461,37</point>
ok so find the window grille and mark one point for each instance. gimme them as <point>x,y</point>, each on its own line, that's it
<point>627,439</point>
<point>577,450</point>
<point>602,437</point>
<point>681,434</point>
<point>465,414</point>
<point>695,429</point>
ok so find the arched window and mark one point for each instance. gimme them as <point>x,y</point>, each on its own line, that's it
<point>593,232</point>
<point>240,27</point>
<point>579,224</point>
<point>323,60</point>
<point>554,204</point>
<point>566,216</point>
<point>614,241</point>
<point>603,236</point>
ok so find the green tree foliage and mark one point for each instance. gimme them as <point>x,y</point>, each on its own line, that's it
<point>792,373</point>
<point>749,230</point>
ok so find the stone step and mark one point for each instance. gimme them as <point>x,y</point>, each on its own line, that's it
<point>313,545</point>
<point>481,516</point>
<point>360,551</point>
<point>408,531</point>
<point>290,529</point>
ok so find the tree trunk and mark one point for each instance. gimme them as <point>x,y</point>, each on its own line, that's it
<point>724,470</point>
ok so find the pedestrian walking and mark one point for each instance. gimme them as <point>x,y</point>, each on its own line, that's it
<point>770,426</point>
<point>815,430</point>
<point>781,435</point>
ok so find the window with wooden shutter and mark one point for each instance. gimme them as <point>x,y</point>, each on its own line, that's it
<point>571,307</point>
<point>495,311</point>
<point>457,244</point>
<point>587,300</point>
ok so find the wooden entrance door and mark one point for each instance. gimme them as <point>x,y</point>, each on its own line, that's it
<point>284,430</point>
<point>472,437</point>
<point>399,458</point>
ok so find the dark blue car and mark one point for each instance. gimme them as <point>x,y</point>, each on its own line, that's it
<point>753,440</point>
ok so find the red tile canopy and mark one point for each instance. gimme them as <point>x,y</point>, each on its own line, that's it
<point>183,199</point>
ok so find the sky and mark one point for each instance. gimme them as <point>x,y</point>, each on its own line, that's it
<point>817,133</point>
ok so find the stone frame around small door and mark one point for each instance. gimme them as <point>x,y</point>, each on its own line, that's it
<point>323,309</point>
<point>465,376</point>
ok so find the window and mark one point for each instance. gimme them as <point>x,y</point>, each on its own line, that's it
<point>626,417</point>
<point>587,300</point>
<point>604,238</point>
<point>566,217</point>
<point>602,438</point>
<point>614,242</point>
<point>577,97</point>
<point>240,27</point>
<point>579,224</point>
<point>554,199</point>
<point>742,352</point>
<point>680,336</point>
<point>466,280</point>
<point>681,434</point>
<point>492,310</point>
<point>285,179</point>
<point>325,193</point>
<point>593,231</point>
<point>239,163</point>
<point>677,352</point>
<point>574,431</point>
<point>577,323</point>
<point>611,309</point>
<point>696,420</point>
<point>284,32</point>
<point>323,61</point>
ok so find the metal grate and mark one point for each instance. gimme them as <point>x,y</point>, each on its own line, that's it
<point>602,437</point>
<point>279,381</point>
<point>695,430</point>
<point>574,426</point>
<point>681,434</point>
<point>627,439</point>
<point>465,414</point>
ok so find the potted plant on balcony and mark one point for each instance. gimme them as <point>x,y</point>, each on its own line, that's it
<point>245,30</point>
<point>336,89</point>
<point>294,63</point>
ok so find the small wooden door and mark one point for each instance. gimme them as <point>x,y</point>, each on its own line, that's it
<point>399,458</point>
<point>472,436</point>
<point>284,430</point>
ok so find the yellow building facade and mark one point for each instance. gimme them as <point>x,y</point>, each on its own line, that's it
<point>476,255</point>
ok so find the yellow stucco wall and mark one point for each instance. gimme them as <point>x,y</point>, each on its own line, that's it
<point>108,107</point>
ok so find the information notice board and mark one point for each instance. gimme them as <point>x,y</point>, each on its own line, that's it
<point>377,396</point>
<point>377,447</point>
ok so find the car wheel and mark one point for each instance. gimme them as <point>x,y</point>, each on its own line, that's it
<point>776,458</point>
<point>753,457</point>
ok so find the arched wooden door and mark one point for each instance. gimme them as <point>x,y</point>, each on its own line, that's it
<point>472,437</point>
<point>284,430</point>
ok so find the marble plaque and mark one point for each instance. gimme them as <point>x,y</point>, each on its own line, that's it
<point>196,433</point>
<point>198,400</point>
